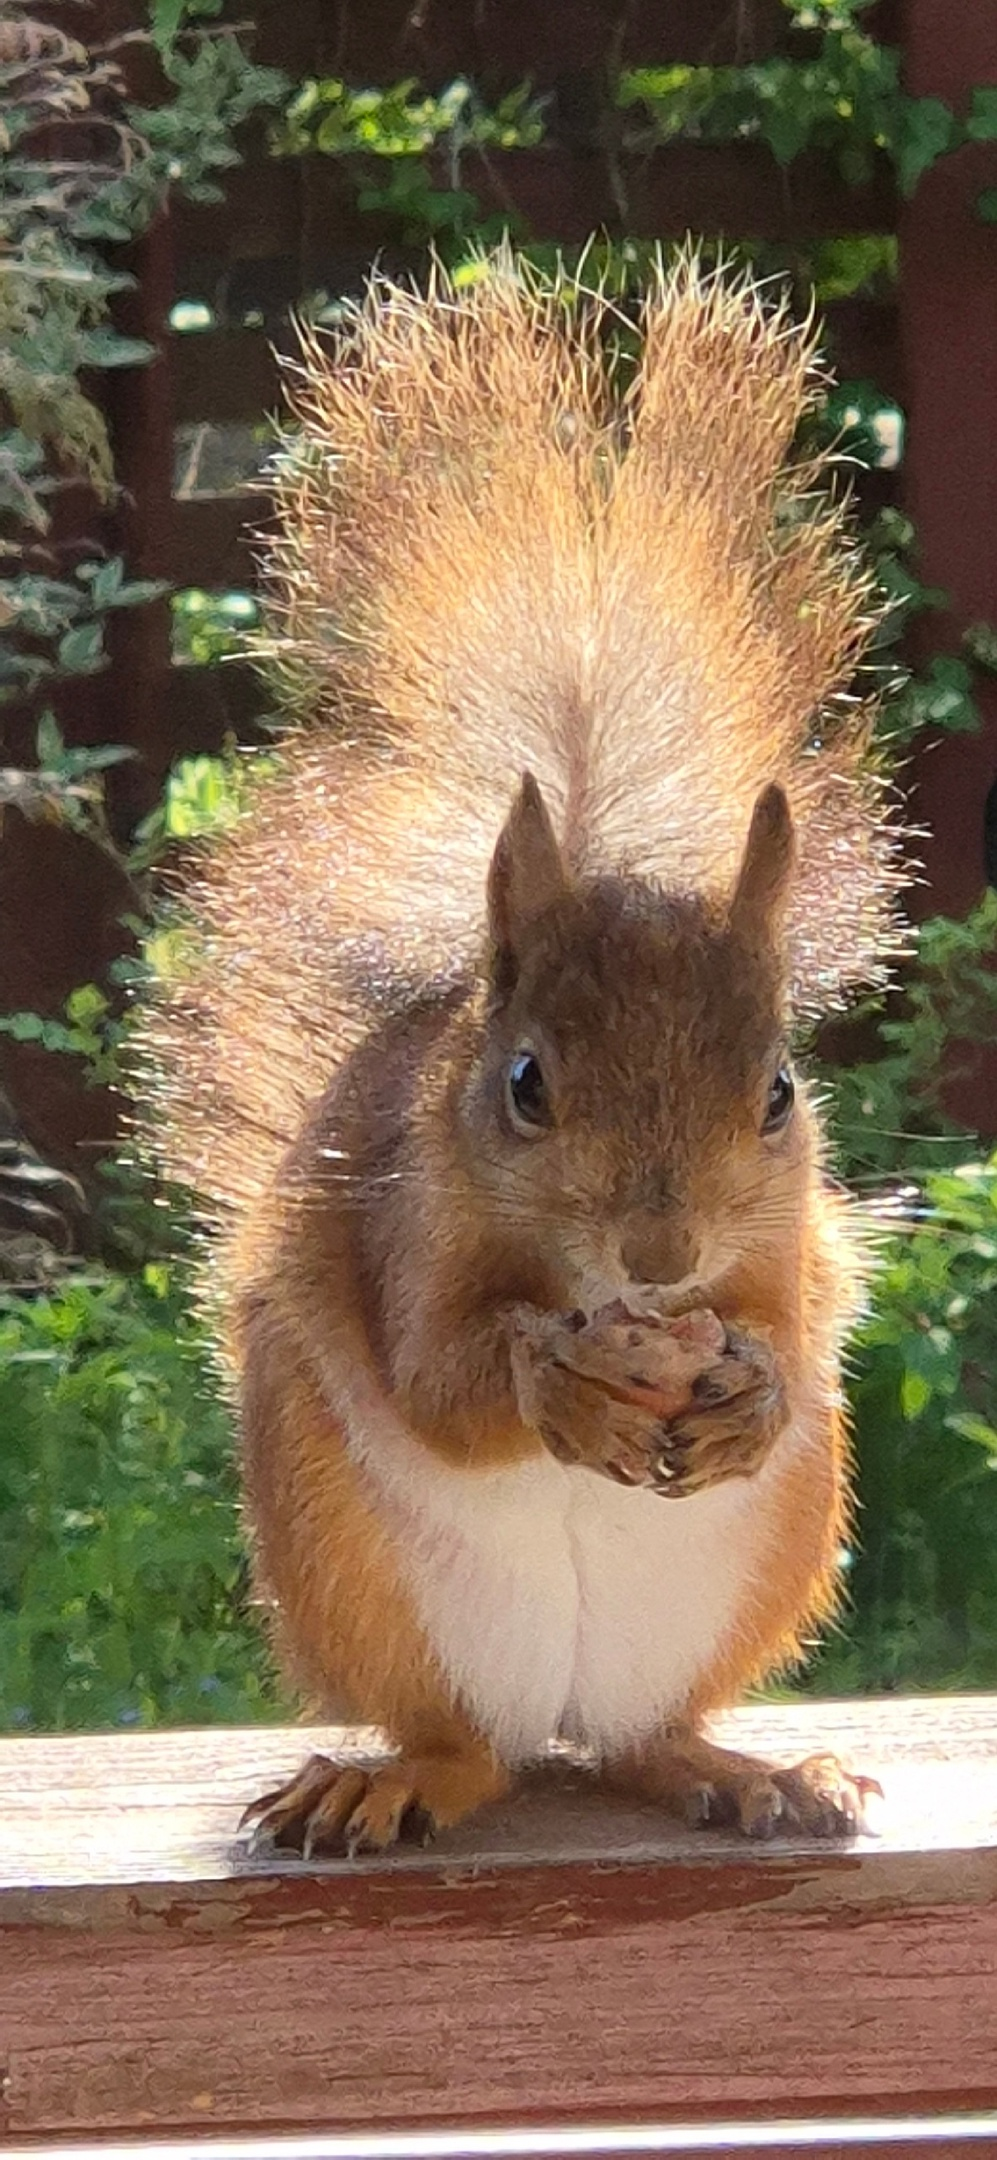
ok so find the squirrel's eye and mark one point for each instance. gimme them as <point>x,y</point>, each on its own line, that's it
<point>782,1095</point>
<point>526,1094</point>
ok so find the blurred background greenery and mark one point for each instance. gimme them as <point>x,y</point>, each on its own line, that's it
<point>124,1587</point>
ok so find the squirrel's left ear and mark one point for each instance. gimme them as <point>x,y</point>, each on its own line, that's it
<point>527,875</point>
<point>763,880</point>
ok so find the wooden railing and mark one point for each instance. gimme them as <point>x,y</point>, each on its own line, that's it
<point>566,1966</point>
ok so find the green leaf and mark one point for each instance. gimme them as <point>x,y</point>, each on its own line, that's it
<point>106,582</point>
<point>981,125</point>
<point>942,698</point>
<point>927,129</point>
<point>140,590</point>
<point>167,17</point>
<point>915,1395</point>
<point>165,20</point>
<point>81,651</point>
<point>97,757</point>
<point>105,349</point>
<point>986,205</point>
<point>49,745</point>
<point>86,1006</point>
<point>980,640</point>
<point>973,1428</point>
<point>786,121</point>
<point>22,1026</point>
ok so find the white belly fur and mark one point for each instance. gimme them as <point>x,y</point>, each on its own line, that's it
<point>559,1604</point>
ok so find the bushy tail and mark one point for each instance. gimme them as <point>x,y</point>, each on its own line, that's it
<point>496,551</point>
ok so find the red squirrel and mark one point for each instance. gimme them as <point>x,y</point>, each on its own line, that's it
<point>477,1046</point>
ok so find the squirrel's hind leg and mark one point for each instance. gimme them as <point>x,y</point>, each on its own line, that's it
<point>335,1807</point>
<point>346,1629</point>
<point>714,1786</point>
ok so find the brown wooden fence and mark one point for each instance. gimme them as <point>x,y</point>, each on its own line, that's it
<point>287,228</point>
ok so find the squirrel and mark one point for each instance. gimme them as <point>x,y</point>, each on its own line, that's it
<point>476,1044</point>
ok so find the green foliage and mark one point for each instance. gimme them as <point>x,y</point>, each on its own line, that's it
<point>54,294</point>
<point>422,141</point>
<point>855,263</point>
<point>78,1033</point>
<point>82,167</point>
<point>190,138</point>
<point>921,1580</point>
<point>844,101</point>
<point>67,787</point>
<point>890,1116</point>
<point>203,795</point>
<point>836,91</point>
<point>940,698</point>
<point>211,626</point>
<point>168,17</point>
<point>55,626</point>
<point>122,1575</point>
<point>123,1585</point>
<point>404,122</point>
<point>839,92</point>
<point>89,1030</point>
<point>943,695</point>
<point>921,1583</point>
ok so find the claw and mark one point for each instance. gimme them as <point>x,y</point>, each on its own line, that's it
<point>419,1825</point>
<point>621,1475</point>
<point>259,1807</point>
<point>699,1810</point>
<point>763,1821</point>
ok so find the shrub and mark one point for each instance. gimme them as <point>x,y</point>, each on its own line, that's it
<point>123,1576</point>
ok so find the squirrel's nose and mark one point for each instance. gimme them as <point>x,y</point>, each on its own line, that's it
<point>659,1245</point>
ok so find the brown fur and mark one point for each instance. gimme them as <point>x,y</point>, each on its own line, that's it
<point>486,562</point>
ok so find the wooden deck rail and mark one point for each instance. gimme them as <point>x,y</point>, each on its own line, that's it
<point>565,1962</point>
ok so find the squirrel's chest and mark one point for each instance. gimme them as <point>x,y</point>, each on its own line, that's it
<point>557,1604</point>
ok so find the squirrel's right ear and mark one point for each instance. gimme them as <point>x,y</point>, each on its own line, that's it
<point>526,877</point>
<point>763,881</point>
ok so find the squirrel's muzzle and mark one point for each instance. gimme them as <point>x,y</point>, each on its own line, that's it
<point>660,1244</point>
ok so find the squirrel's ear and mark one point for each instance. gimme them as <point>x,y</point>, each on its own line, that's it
<point>763,880</point>
<point>527,873</point>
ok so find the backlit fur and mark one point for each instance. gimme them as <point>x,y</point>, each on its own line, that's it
<point>489,560</point>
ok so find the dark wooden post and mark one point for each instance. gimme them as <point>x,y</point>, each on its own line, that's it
<point>61,902</point>
<point>139,406</point>
<point>948,300</point>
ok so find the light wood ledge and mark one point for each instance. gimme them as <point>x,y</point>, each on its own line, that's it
<point>562,1959</point>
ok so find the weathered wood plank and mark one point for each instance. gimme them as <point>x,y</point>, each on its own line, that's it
<point>108,1809</point>
<point>562,1958</point>
<point>951,2137</point>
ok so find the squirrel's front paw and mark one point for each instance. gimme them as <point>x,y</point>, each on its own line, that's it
<point>607,1392</point>
<point>673,1405</point>
<point>738,1410</point>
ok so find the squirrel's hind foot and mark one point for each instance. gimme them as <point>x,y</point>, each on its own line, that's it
<point>329,1808</point>
<point>712,1787</point>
